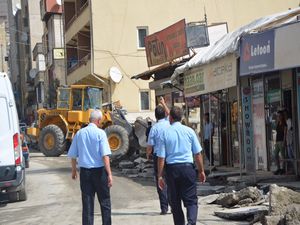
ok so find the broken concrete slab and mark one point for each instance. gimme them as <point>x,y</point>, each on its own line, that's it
<point>146,175</point>
<point>281,198</point>
<point>140,160</point>
<point>273,220</point>
<point>246,201</point>
<point>231,199</point>
<point>292,216</point>
<point>130,171</point>
<point>133,175</point>
<point>242,213</point>
<point>208,199</point>
<point>126,165</point>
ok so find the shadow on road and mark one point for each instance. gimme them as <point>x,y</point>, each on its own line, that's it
<point>50,171</point>
<point>135,214</point>
<point>149,182</point>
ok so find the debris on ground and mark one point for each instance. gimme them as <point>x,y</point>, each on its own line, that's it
<point>280,206</point>
<point>246,196</point>
<point>137,167</point>
<point>242,213</point>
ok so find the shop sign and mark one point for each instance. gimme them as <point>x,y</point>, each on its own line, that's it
<point>287,46</point>
<point>257,53</point>
<point>194,81</point>
<point>259,128</point>
<point>274,95</point>
<point>197,36</point>
<point>166,45</point>
<point>248,130</point>
<point>218,75</point>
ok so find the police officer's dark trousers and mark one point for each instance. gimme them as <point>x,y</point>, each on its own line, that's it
<point>181,180</point>
<point>162,194</point>
<point>95,181</point>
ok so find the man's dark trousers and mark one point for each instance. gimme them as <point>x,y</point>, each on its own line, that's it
<point>209,150</point>
<point>95,181</point>
<point>181,180</point>
<point>163,194</point>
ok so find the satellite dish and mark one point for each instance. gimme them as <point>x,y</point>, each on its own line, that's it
<point>33,73</point>
<point>115,74</point>
<point>58,2</point>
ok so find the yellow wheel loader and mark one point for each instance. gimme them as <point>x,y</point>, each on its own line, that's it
<point>55,128</point>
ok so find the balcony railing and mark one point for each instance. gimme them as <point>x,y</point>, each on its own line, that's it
<point>78,63</point>
<point>77,14</point>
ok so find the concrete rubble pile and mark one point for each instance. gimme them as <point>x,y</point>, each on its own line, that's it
<point>279,206</point>
<point>137,168</point>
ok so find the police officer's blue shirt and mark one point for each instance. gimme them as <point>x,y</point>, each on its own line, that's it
<point>156,131</point>
<point>89,145</point>
<point>178,144</point>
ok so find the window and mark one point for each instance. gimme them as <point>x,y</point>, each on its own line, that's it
<point>145,100</point>
<point>4,117</point>
<point>142,32</point>
<point>63,98</point>
<point>77,99</point>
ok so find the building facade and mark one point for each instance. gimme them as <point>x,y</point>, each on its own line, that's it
<point>4,36</point>
<point>269,69</point>
<point>101,35</point>
<point>53,75</point>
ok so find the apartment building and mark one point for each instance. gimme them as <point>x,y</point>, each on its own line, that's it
<point>4,37</point>
<point>105,38</point>
<point>52,74</point>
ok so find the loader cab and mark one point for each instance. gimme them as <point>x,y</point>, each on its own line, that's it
<point>79,98</point>
<point>77,101</point>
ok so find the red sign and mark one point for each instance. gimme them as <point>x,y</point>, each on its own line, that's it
<point>166,45</point>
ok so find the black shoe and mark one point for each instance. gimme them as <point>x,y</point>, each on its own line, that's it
<point>277,172</point>
<point>163,212</point>
<point>282,172</point>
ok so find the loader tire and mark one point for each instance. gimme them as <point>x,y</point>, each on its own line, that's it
<point>52,141</point>
<point>118,141</point>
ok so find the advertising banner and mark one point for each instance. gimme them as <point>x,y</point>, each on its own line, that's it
<point>197,36</point>
<point>257,53</point>
<point>166,45</point>
<point>215,76</point>
<point>287,46</point>
<point>259,128</point>
<point>248,130</point>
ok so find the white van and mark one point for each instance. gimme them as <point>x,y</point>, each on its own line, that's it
<point>12,169</point>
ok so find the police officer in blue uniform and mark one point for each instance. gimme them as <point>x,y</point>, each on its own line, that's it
<point>153,139</point>
<point>178,148</point>
<point>91,149</point>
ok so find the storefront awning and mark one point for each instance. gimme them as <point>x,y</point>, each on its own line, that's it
<point>229,43</point>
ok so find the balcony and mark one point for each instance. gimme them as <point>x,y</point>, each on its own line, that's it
<point>76,17</point>
<point>38,49</point>
<point>40,77</point>
<point>73,9</point>
<point>80,70</point>
<point>49,7</point>
<point>78,51</point>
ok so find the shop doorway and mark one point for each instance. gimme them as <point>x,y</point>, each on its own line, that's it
<point>273,105</point>
<point>218,106</point>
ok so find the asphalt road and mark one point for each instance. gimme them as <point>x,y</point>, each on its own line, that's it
<point>54,198</point>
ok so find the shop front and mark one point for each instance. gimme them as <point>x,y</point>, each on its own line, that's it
<point>213,87</point>
<point>268,66</point>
